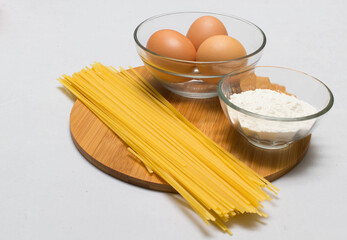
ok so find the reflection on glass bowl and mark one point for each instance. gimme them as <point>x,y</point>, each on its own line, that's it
<point>191,78</point>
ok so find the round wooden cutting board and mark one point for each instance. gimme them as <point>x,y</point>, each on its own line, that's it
<point>106,151</point>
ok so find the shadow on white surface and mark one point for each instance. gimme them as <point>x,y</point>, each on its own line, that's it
<point>189,212</point>
<point>67,93</point>
<point>247,221</point>
<point>304,166</point>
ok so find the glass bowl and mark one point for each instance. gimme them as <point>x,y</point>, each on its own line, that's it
<point>183,77</point>
<point>267,128</point>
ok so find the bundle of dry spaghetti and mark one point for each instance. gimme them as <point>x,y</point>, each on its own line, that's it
<point>214,183</point>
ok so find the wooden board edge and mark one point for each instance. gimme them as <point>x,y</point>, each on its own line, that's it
<point>279,174</point>
<point>122,176</point>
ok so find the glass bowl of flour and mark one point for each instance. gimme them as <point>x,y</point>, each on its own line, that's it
<point>273,106</point>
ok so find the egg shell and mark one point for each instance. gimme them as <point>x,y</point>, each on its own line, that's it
<point>203,28</point>
<point>168,45</point>
<point>220,48</point>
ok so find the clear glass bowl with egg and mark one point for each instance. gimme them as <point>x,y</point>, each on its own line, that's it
<point>185,74</point>
<point>297,102</point>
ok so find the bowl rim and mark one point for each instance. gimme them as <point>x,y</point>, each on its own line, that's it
<point>279,119</point>
<point>199,62</point>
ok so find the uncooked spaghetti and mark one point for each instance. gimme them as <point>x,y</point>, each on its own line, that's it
<point>215,183</point>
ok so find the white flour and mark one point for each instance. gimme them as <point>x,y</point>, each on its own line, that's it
<point>275,104</point>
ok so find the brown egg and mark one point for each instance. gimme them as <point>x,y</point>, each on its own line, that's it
<point>170,43</point>
<point>203,28</point>
<point>220,48</point>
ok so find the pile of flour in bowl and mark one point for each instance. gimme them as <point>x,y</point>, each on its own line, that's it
<point>274,104</point>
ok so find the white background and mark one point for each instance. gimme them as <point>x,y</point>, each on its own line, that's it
<point>49,191</point>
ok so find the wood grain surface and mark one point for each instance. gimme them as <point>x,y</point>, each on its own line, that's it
<point>106,151</point>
